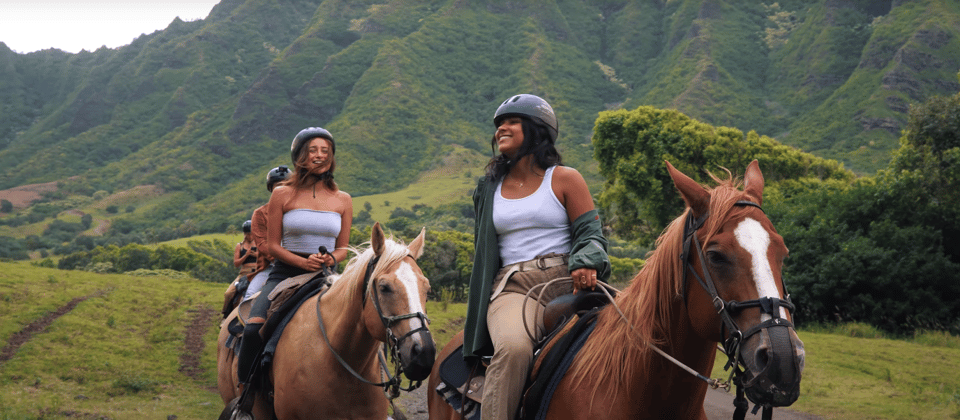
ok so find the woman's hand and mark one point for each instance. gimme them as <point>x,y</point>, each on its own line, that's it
<point>328,259</point>
<point>583,279</point>
<point>317,261</point>
<point>314,262</point>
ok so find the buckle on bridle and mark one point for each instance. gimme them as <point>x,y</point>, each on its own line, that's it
<point>718,304</point>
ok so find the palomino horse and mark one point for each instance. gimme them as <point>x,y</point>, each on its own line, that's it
<point>726,287</point>
<point>380,296</point>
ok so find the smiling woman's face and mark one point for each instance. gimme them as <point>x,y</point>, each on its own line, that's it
<point>510,135</point>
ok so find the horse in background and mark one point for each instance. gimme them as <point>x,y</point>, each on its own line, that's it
<point>726,287</point>
<point>327,360</point>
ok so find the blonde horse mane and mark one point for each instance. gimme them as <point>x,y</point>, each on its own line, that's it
<point>616,352</point>
<point>347,282</point>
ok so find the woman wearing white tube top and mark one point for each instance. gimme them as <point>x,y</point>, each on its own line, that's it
<point>305,212</point>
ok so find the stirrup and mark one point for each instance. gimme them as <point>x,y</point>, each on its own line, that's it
<point>239,414</point>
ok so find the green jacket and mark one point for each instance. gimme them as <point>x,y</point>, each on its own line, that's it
<point>589,250</point>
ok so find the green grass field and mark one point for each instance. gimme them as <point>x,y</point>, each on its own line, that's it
<point>117,354</point>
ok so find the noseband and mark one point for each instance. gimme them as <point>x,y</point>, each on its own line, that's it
<point>728,309</point>
<point>392,385</point>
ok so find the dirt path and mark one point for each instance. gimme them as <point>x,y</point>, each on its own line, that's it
<point>38,325</point>
<point>718,405</point>
<point>193,340</point>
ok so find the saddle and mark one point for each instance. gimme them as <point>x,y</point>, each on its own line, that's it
<point>568,320</point>
<point>285,298</point>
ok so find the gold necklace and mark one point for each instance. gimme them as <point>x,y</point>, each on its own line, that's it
<point>520,184</point>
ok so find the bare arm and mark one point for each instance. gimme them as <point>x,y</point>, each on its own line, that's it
<point>570,187</point>
<point>343,239</point>
<point>237,259</point>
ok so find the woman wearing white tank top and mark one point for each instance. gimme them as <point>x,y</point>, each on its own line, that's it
<point>535,222</point>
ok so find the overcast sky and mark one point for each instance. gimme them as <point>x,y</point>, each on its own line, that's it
<point>74,25</point>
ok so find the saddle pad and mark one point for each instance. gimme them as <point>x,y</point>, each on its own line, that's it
<point>554,366</point>
<point>454,374</point>
<point>273,328</point>
<point>454,370</point>
<point>467,408</point>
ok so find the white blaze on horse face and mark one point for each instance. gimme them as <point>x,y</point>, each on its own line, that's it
<point>408,278</point>
<point>756,240</point>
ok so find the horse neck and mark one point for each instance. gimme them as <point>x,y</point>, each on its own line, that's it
<point>684,391</point>
<point>343,317</point>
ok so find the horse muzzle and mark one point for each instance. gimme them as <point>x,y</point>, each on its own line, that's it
<point>773,359</point>
<point>417,354</point>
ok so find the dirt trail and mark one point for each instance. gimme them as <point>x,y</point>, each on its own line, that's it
<point>193,342</point>
<point>38,325</point>
<point>718,405</point>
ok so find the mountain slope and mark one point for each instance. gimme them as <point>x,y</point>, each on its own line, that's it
<point>203,109</point>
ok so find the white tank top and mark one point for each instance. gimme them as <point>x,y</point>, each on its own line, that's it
<point>305,230</point>
<point>533,225</point>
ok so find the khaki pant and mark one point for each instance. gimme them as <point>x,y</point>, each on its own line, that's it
<point>513,348</point>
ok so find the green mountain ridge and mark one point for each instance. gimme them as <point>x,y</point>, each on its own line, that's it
<point>203,109</point>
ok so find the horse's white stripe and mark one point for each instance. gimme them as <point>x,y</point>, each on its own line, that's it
<point>756,240</point>
<point>409,279</point>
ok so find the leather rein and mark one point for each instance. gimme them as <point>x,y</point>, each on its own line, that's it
<point>392,385</point>
<point>728,309</point>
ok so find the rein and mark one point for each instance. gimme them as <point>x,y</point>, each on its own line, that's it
<point>391,386</point>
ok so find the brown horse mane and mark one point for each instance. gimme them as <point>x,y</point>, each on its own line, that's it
<point>346,283</point>
<point>616,352</point>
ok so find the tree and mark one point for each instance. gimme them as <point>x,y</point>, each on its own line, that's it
<point>631,146</point>
<point>882,250</point>
<point>5,206</point>
<point>926,168</point>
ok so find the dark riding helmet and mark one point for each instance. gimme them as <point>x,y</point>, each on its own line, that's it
<point>280,173</point>
<point>530,106</point>
<point>247,226</point>
<point>306,135</point>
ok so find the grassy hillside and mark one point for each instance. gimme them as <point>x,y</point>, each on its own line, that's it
<point>117,353</point>
<point>120,352</point>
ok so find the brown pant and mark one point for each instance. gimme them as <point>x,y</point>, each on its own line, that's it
<point>513,348</point>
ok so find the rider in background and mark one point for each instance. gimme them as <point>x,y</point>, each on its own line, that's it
<point>259,233</point>
<point>535,222</point>
<point>305,212</point>
<point>245,256</point>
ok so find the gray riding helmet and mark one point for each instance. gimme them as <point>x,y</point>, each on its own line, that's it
<point>530,106</point>
<point>306,135</point>
<point>247,226</point>
<point>280,173</point>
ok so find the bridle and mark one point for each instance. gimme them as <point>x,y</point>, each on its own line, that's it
<point>728,309</point>
<point>392,385</point>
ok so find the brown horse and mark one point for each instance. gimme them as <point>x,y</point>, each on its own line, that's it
<point>380,296</point>
<point>726,287</point>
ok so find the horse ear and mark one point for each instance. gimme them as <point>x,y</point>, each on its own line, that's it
<point>693,193</point>
<point>416,247</point>
<point>376,239</point>
<point>753,182</point>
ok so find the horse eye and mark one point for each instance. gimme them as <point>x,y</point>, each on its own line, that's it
<point>385,288</point>
<point>716,257</point>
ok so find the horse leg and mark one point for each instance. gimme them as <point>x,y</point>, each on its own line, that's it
<point>438,408</point>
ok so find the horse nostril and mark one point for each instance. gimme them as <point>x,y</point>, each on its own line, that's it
<point>762,358</point>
